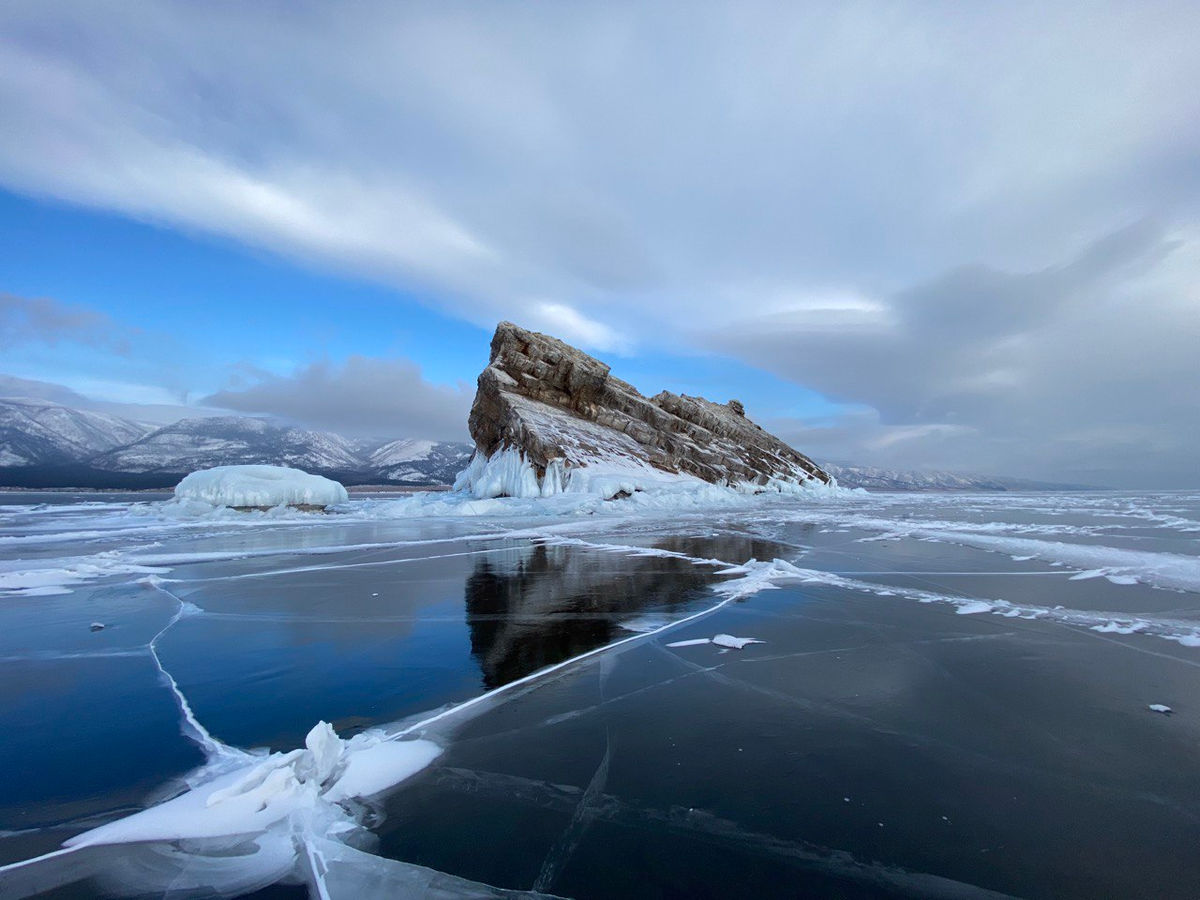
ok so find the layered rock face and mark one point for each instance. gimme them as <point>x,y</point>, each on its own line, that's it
<point>554,412</point>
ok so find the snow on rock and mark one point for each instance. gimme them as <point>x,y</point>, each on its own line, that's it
<point>259,487</point>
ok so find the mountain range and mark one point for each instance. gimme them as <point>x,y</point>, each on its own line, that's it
<point>45,444</point>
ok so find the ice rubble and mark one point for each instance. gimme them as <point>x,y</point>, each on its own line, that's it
<point>306,785</point>
<point>246,822</point>
<point>259,487</point>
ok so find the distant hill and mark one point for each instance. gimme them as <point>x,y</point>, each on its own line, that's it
<point>44,444</point>
<point>873,478</point>
<point>37,432</point>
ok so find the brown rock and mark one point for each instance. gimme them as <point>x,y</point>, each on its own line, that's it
<point>551,401</point>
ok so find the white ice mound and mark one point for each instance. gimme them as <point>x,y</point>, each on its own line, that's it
<point>262,487</point>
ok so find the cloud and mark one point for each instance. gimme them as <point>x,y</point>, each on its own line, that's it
<point>26,320</point>
<point>367,397</point>
<point>1082,371</point>
<point>913,186</point>
<point>128,401</point>
<point>571,326</point>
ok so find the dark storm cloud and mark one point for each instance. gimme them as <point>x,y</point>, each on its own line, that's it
<point>365,397</point>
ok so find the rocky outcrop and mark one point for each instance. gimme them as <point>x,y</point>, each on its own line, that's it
<point>561,412</point>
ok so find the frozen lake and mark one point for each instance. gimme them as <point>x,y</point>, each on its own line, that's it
<point>951,697</point>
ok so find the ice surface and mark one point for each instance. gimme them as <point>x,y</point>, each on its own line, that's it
<point>259,486</point>
<point>250,820</point>
<point>339,872</point>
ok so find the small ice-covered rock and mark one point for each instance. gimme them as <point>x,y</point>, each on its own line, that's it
<point>734,643</point>
<point>1160,708</point>
<point>260,487</point>
<point>97,626</point>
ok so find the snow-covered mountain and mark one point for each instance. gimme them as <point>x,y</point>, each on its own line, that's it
<point>47,445</point>
<point>873,478</point>
<point>37,432</point>
<point>412,461</point>
<point>192,444</point>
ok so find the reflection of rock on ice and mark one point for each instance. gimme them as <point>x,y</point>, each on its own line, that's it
<point>246,825</point>
<point>541,604</point>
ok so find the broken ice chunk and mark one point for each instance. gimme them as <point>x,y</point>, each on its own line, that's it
<point>727,641</point>
<point>326,749</point>
<point>1160,708</point>
<point>733,643</point>
<point>97,626</point>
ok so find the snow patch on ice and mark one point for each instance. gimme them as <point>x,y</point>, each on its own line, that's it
<point>694,642</point>
<point>757,576</point>
<point>51,576</point>
<point>1163,570</point>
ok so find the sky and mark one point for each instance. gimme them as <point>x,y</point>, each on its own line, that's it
<point>928,235</point>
